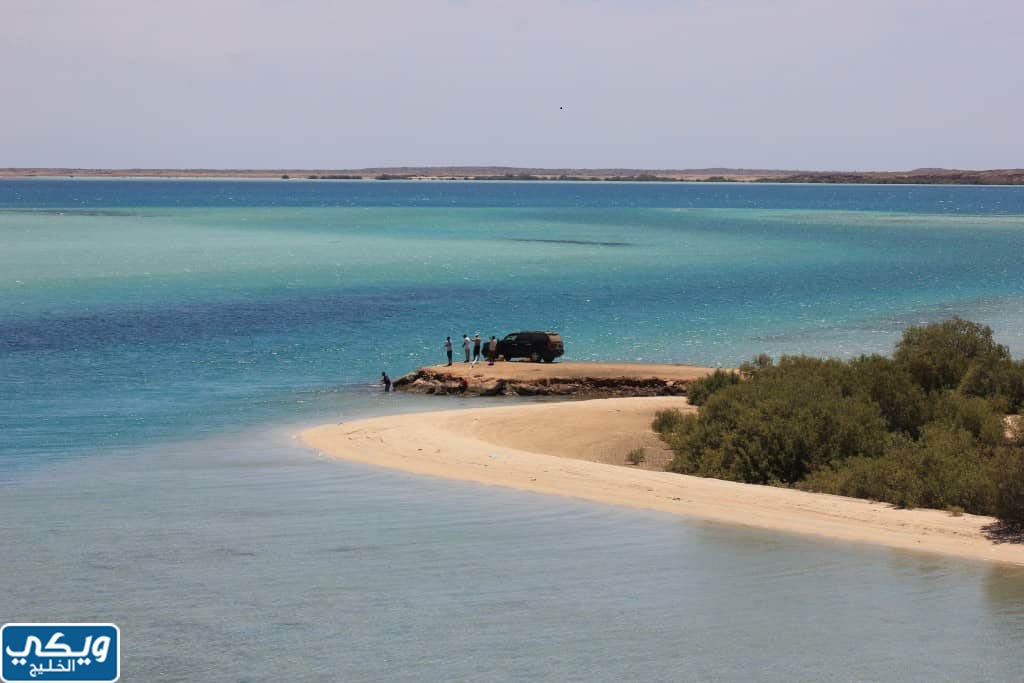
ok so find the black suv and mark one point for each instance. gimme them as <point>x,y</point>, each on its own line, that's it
<point>536,346</point>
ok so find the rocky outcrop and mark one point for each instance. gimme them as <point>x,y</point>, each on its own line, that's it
<point>429,381</point>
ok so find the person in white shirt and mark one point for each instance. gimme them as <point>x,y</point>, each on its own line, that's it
<point>466,345</point>
<point>448,348</point>
<point>492,350</point>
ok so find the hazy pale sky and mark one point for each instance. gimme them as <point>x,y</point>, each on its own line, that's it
<point>811,84</point>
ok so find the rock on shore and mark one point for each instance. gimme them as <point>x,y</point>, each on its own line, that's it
<point>578,380</point>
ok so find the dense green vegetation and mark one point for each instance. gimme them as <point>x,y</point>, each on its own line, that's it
<point>925,428</point>
<point>698,391</point>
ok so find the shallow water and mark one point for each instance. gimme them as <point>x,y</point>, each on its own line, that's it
<point>248,559</point>
<point>161,342</point>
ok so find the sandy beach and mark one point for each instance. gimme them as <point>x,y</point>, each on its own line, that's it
<point>578,449</point>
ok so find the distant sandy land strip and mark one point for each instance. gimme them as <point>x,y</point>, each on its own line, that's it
<point>515,446</point>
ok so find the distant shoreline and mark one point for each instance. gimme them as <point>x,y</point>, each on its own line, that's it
<point>929,176</point>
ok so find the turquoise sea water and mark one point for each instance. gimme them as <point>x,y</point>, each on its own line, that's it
<point>161,340</point>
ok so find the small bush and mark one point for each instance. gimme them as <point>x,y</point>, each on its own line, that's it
<point>904,405</point>
<point>996,378</point>
<point>756,364</point>
<point>698,391</point>
<point>665,421</point>
<point>1009,503</point>
<point>955,511</point>
<point>939,355</point>
<point>974,415</point>
<point>944,468</point>
<point>636,456</point>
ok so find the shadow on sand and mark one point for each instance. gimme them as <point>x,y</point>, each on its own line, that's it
<point>997,532</point>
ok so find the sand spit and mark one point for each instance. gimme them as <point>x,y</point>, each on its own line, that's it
<point>578,449</point>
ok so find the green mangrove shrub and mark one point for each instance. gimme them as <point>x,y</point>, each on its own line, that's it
<point>925,428</point>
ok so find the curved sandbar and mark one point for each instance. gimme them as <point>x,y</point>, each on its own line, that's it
<point>565,449</point>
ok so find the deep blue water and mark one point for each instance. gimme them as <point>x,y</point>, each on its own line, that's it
<point>95,193</point>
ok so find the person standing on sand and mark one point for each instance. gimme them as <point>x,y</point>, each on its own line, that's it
<point>448,348</point>
<point>476,348</point>
<point>492,349</point>
<point>466,344</point>
<point>386,381</point>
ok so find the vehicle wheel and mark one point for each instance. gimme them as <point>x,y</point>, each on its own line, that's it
<point>534,357</point>
<point>549,359</point>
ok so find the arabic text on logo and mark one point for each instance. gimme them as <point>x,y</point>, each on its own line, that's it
<point>60,652</point>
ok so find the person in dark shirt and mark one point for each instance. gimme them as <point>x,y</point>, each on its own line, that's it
<point>386,381</point>
<point>476,348</point>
